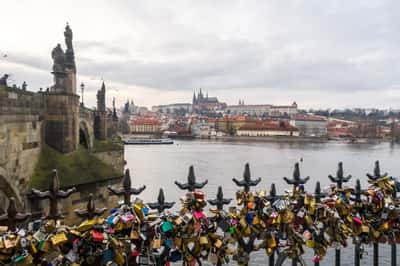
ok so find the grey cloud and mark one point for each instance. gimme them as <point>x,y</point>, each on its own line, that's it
<point>312,46</point>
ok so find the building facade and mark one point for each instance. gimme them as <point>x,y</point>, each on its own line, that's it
<point>310,126</point>
<point>268,130</point>
<point>145,125</point>
<point>262,109</point>
<point>173,108</point>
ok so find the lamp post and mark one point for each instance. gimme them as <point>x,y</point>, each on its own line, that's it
<point>82,90</point>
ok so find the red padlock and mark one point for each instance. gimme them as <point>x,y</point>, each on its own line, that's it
<point>97,236</point>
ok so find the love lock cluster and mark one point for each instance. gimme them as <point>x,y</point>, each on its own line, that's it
<point>139,233</point>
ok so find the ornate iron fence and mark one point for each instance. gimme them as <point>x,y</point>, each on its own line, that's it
<point>282,225</point>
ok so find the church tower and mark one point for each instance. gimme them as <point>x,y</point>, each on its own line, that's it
<point>62,102</point>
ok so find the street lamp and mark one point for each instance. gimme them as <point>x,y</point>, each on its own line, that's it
<point>82,90</point>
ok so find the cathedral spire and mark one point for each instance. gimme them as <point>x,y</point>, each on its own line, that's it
<point>194,97</point>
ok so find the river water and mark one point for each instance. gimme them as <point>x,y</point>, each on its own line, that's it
<point>158,166</point>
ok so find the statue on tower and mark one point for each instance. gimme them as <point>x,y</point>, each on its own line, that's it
<point>58,58</point>
<point>68,37</point>
<point>69,53</point>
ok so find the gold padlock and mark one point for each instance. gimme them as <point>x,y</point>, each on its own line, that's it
<point>384,226</point>
<point>59,239</point>
<point>256,220</point>
<point>243,222</point>
<point>156,243</point>
<point>119,258</point>
<point>364,229</point>
<point>203,240</point>
<point>218,243</point>
<point>178,242</point>
<point>86,225</point>
<point>178,221</point>
<point>310,243</point>
<point>271,242</point>
<point>134,235</point>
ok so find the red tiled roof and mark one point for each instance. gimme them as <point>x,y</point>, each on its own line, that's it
<point>308,118</point>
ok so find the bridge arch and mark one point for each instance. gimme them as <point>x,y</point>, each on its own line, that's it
<point>85,138</point>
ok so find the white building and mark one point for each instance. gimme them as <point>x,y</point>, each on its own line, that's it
<point>262,109</point>
<point>266,130</point>
<point>171,108</point>
<point>310,125</point>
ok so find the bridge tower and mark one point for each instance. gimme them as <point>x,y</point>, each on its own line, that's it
<point>100,122</point>
<point>62,102</point>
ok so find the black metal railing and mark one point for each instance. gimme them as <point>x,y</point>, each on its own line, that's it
<point>365,217</point>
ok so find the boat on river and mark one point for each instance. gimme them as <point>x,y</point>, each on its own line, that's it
<point>148,141</point>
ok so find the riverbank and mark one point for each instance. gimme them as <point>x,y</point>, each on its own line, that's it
<point>273,139</point>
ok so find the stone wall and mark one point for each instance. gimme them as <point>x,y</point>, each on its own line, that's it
<point>113,158</point>
<point>20,138</point>
<point>62,121</point>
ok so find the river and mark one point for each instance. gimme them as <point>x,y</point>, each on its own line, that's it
<point>158,166</point>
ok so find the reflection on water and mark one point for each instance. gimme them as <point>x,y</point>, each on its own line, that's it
<point>159,165</point>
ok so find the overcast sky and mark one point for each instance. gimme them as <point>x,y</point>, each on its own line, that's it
<point>319,53</point>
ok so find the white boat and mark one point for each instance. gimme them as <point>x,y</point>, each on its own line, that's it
<point>148,141</point>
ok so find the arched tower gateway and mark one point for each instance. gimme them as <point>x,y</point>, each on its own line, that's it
<point>62,102</point>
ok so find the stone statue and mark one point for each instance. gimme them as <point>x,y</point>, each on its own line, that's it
<point>69,53</point>
<point>68,37</point>
<point>24,85</point>
<point>3,80</point>
<point>58,58</point>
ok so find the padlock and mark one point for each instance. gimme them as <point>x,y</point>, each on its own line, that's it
<point>187,217</point>
<point>198,215</point>
<point>199,195</point>
<point>119,258</point>
<point>384,226</point>
<point>156,243</point>
<point>224,225</point>
<point>301,213</point>
<point>256,220</point>
<point>86,225</point>
<point>166,226</point>
<point>178,221</point>
<point>271,242</point>
<point>10,241</point>
<point>213,258</point>
<point>218,243</point>
<point>364,229</point>
<point>175,256</point>
<point>39,235</point>
<point>310,243</point>
<point>44,246</point>
<point>97,236</point>
<point>203,240</point>
<point>58,239</point>
<point>178,242</point>
<point>243,222</point>
<point>134,235</point>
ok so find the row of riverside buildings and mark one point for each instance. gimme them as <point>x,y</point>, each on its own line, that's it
<point>207,117</point>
